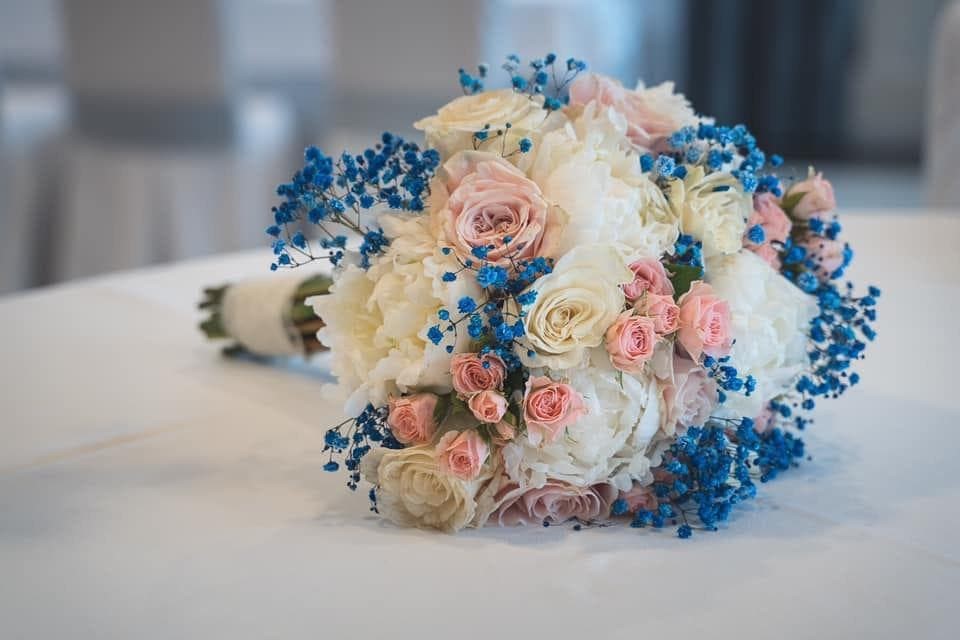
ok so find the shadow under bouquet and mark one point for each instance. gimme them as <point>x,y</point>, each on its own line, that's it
<point>579,302</point>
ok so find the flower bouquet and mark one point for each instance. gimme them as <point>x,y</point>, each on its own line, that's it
<point>579,302</point>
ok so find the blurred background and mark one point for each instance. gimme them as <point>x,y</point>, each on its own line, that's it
<point>134,132</point>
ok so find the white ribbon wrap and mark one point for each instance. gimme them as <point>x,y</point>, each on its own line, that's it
<point>257,314</point>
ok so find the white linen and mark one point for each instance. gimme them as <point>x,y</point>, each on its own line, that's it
<point>151,489</point>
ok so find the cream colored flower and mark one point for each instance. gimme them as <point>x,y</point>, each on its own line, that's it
<point>452,128</point>
<point>574,307</point>
<point>712,208</point>
<point>413,492</point>
<point>769,321</point>
<point>377,320</point>
<point>588,169</point>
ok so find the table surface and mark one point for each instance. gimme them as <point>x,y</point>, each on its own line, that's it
<point>150,489</point>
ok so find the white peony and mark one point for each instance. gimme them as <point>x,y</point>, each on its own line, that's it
<point>588,170</point>
<point>412,491</point>
<point>377,320</point>
<point>608,444</point>
<point>712,208</point>
<point>574,307</point>
<point>452,128</point>
<point>770,318</point>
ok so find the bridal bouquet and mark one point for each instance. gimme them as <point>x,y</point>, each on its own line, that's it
<point>579,302</point>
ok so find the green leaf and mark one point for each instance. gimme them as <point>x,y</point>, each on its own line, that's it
<point>681,276</point>
<point>791,200</point>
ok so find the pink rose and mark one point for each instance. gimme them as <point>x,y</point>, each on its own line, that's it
<point>554,503</point>
<point>768,254</point>
<point>648,276</point>
<point>630,341</point>
<point>473,372</point>
<point>411,418</point>
<point>550,407</point>
<point>690,398</point>
<point>487,406</point>
<point>640,498</point>
<point>704,322</point>
<point>817,198</point>
<point>662,310</point>
<point>491,200</point>
<point>462,453</point>
<point>828,255</point>
<point>651,114</point>
<point>771,218</point>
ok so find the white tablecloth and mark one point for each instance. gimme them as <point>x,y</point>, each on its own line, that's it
<point>150,489</point>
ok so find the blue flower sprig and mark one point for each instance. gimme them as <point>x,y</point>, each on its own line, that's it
<point>352,439</point>
<point>540,77</point>
<point>333,193</point>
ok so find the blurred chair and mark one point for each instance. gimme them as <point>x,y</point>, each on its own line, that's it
<point>943,120</point>
<point>165,158</point>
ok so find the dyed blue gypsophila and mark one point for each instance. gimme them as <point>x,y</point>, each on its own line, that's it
<point>728,378</point>
<point>540,76</point>
<point>327,192</point>
<point>352,439</point>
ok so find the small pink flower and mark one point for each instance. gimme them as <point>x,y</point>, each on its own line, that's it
<point>473,372</point>
<point>550,407</point>
<point>662,310</point>
<point>768,254</point>
<point>649,276</point>
<point>489,200</point>
<point>771,218</point>
<point>704,322</point>
<point>487,406</point>
<point>690,398</point>
<point>827,255</point>
<point>640,498</point>
<point>817,200</point>
<point>630,341</point>
<point>554,503</point>
<point>411,418</point>
<point>462,453</point>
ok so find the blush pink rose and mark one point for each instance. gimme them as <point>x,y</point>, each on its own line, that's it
<point>662,310</point>
<point>768,253</point>
<point>555,502</point>
<point>473,372</point>
<point>487,406</point>
<point>462,453</point>
<point>690,398</point>
<point>651,114</point>
<point>827,255</point>
<point>550,407</point>
<point>768,214</point>
<point>489,200</point>
<point>817,199</point>
<point>411,418</point>
<point>640,498</point>
<point>649,276</point>
<point>630,341</point>
<point>704,322</point>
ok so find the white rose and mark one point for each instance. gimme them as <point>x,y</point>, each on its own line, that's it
<point>377,320</point>
<point>609,443</point>
<point>712,208</point>
<point>574,307</point>
<point>452,128</point>
<point>770,318</point>
<point>587,169</point>
<point>412,491</point>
